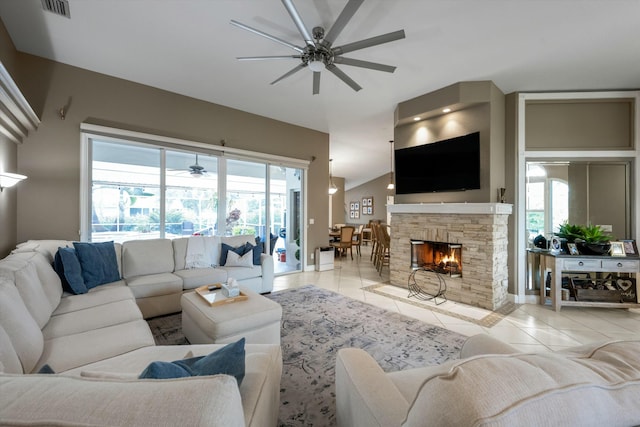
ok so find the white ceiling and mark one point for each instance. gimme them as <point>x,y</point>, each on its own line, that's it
<point>189,47</point>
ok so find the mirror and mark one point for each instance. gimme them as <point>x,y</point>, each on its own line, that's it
<point>579,192</point>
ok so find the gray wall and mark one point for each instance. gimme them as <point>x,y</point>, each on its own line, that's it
<point>48,202</point>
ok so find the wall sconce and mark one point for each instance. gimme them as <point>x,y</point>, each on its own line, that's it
<point>9,179</point>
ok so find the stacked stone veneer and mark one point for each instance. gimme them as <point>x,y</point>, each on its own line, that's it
<point>484,254</point>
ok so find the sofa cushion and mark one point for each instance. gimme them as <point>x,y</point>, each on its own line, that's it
<point>101,316</point>
<point>144,257</point>
<point>196,277</point>
<point>599,387</point>
<point>260,389</point>
<point>98,261</point>
<point>155,284</point>
<point>25,277</point>
<point>224,251</point>
<point>21,328</point>
<point>101,295</point>
<point>227,360</point>
<point>72,351</point>
<point>212,248</point>
<point>243,273</point>
<point>235,260</point>
<point>61,400</point>
<point>47,248</point>
<point>67,265</point>
<point>9,360</point>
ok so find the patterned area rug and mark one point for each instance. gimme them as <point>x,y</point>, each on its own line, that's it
<point>317,323</point>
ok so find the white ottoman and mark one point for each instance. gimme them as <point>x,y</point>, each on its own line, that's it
<point>257,319</point>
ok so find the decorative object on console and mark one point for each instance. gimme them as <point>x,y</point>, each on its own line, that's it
<point>589,239</point>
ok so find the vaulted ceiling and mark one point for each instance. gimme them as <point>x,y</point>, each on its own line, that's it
<point>189,47</point>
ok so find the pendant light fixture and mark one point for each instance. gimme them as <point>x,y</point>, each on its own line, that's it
<point>391,186</point>
<point>332,187</point>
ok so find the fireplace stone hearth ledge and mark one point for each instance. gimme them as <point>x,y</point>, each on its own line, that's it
<point>481,228</point>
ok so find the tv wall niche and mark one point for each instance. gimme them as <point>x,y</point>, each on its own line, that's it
<point>448,165</point>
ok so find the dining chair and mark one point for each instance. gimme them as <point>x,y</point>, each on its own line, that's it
<point>346,240</point>
<point>357,238</point>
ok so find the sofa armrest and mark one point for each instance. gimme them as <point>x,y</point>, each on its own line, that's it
<point>365,396</point>
<point>485,344</point>
<point>59,400</point>
<point>266,262</point>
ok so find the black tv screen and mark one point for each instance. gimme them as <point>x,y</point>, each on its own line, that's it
<point>449,165</point>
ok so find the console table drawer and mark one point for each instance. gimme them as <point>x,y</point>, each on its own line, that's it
<point>621,265</point>
<point>581,264</point>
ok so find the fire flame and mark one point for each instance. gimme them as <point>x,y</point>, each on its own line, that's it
<point>449,259</point>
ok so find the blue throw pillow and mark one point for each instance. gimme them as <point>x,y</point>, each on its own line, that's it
<point>98,261</point>
<point>257,250</point>
<point>67,265</point>
<point>46,369</point>
<point>224,250</point>
<point>228,360</point>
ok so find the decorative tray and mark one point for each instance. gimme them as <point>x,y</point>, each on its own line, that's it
<point>212,294</point>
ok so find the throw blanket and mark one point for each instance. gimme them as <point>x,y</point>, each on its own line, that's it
<point>197,256</point>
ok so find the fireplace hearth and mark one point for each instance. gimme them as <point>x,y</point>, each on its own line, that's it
<point>440,257</point>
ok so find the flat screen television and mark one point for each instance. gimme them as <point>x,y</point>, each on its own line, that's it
<point>448,165</point>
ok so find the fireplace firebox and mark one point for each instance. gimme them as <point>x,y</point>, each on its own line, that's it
<point>441,257</point>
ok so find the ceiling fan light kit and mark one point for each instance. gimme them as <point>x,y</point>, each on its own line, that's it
<point>318,54</point>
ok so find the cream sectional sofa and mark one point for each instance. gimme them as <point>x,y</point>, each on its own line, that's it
<point>98,343</point>
<point>495,385</point>
<point>156,269</point>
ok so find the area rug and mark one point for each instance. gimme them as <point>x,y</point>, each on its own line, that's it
<point>316,323</point>
<point>476,315</point>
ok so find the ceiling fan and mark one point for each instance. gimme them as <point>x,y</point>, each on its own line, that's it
<point>318,51</point>
<point>196,170</point>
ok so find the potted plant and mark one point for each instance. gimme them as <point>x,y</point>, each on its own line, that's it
<point>589,239</point>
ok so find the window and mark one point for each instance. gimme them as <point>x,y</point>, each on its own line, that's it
<point>142,190</point>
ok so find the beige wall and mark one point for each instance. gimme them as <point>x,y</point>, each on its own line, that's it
<point>8,161</point>
<point>48,203</point>
<point>377,189</point>
<point>582,125</point>
<point>482,108</point>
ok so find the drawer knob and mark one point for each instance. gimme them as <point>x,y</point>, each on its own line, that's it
<point>619,264</point>
<point>580,263</point>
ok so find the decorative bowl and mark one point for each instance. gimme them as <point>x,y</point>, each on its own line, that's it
<point>593,248</point>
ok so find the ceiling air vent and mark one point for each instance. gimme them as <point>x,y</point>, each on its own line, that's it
<point>59,7</point>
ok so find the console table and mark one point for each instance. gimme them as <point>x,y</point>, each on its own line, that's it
<point>560,263</point>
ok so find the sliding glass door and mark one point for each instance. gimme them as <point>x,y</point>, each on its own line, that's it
<point>141,191</point>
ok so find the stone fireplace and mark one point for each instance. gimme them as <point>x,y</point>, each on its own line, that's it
<point>477,230</point>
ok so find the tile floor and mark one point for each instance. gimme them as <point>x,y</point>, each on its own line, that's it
<point>529,328</point>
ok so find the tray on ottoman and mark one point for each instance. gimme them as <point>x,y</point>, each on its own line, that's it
<point>215,297</point>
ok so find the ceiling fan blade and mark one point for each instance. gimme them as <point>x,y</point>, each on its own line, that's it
<point>373,41</point>
<point>260,58</point>
<point>289,73</point>
<point>297,19</point>
<point>342,76</point>
<point>268,36</point>
<point>316,82</point>
<point>345,16</point>
<point>364,64</point>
